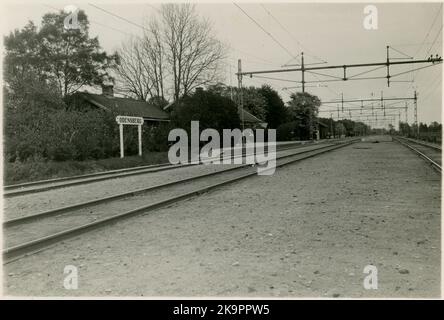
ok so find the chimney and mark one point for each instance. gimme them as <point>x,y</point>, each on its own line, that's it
<point>108,90</point>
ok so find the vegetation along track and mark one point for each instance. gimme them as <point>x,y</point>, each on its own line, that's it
<point>429,152</point>
<point>30,235</point>
<point>50,184</point>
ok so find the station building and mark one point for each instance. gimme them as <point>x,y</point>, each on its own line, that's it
<point>151,113</point>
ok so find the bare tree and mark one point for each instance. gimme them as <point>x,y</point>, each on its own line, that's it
<point>155,54</point>
<point>133,74</point>
<point>178,51</point>
<point>193,53</point>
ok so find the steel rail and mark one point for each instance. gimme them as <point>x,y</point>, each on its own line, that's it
<point>95,177</point>
<point>103,176</point>
<point>434,164</point>
<point>95,174</point>
<point>34,246</point>
<point>438,148</point>
<point>69,208</point>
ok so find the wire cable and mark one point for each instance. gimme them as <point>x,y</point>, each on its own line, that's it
<point>263,29</point>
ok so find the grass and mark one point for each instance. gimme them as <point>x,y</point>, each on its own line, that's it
<point>20,172</point>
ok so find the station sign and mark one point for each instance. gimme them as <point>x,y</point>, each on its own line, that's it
<point>135,121</point>
<point>129,120</point>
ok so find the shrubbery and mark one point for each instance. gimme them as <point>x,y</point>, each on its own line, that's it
<point>210,109</point>
<point>38,130</point>
<point>285,132</point>
<point>59,134</point>
<point>74,135</point>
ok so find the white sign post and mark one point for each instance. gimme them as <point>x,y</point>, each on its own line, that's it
<point>135,121</point>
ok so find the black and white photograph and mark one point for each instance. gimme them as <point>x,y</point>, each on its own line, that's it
<point>221,150</point>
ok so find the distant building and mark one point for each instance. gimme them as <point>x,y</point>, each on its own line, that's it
<point>250,120</point>
<point>137,108</point>
<point>122,106</point>
<point>323,131</point>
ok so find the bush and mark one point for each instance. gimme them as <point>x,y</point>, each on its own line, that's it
<point>60,135</point>
<point>155,137</point>
<point>286,131</point>
<point>37,168</point>
<point>209,108</point>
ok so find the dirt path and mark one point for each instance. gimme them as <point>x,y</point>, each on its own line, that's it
<point>308,230</point>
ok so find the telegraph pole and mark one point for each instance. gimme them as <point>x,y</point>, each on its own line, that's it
<point>388,67</point>
<point>416,114</point>
<point>303,72</point>
<point>239,84</point>
<point>231,85</point>
<point>342,101</point>
<point>406,119</point>
<point>345,67</point>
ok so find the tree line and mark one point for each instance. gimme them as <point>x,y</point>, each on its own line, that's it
<point>430,133</point>
<point>178,53</point>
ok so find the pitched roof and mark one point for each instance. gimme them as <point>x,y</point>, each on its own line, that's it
<point>248,117</point>
<point>137,108</point>
<point>127,106</point>
<point>322,124</point>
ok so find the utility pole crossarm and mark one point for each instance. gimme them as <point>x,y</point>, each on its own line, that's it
<point>365,109</point>
<point>373,99</point>
<point>359,65</point>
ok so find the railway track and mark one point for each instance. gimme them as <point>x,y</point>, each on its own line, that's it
<point>33,233</point>
<point>430,153</point>
<point>50,184</point>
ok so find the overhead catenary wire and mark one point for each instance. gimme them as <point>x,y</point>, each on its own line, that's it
<point>118,17</point>
<point>264,30</point>
<point>264,61</point>
<point>290,34</point>
<point>278,79</point>
<point>434,40</point>
<point>425,38</point>
<point>320,81</point>
<point>95,22</point>
<point>406,56</point>
<point>430,29</point>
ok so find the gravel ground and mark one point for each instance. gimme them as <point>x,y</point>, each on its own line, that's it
<point>308,230</point>
<point>33,203</point>
<point>20,234</point>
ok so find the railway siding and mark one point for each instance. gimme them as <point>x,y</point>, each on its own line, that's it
<point>310,234</point>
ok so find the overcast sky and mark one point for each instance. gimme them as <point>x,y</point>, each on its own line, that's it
<point>331,32</point>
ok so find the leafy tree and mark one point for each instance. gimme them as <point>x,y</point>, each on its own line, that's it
<point>404,129</point>
<point>349,127</point>
<point>210,109</point>
<point>158,101</point>
<point>287,131</point>
<point>67,57</point>
<point>22,55</point>
<point>253,101</point>
<point>391,128</point>
<point>303,109</point>
<point>330,123</point>
<point>340,129</point>
<point>360,128</point>
<point>275,111</point>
